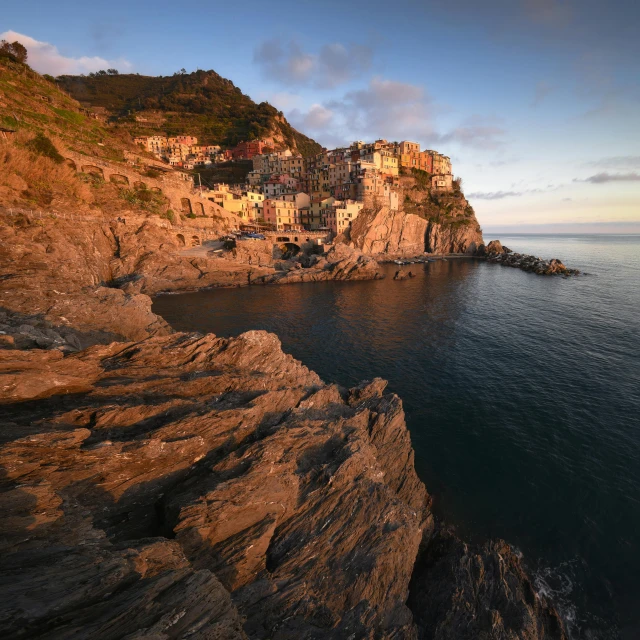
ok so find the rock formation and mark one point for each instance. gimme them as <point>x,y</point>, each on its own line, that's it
<point>88,282</point>
<point>426,221</point>
<point>386,232</point>
<point>498,254</point>
<point>189,486</point>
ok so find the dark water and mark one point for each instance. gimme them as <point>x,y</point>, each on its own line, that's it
<point>522,396</point>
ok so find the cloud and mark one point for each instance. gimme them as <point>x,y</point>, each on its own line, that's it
<point>542,90</point>
<point>288,64</point>
<point>499,195</point>
<point>548,12</point>
<point>395,111</point>
<point>335,63</point>
<point>284,100</point>
<point>495,195</point>
<point>601,178</point>
<point>316,118</point>
<point>45,58</point>
<point>387,108</point>
<point>482,136</point>
<point>625,162</point>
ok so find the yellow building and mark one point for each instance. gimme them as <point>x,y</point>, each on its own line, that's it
<point>344,214</point>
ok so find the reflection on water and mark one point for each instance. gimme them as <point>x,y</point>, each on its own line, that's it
<point>521,392</point>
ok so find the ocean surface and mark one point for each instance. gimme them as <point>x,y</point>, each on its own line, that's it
<point>522,396</point>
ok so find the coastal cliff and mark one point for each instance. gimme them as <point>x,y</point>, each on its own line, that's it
<point>193,486</point>
<point>79,282</point>
<point>168,485</point>
<point>426,221</point>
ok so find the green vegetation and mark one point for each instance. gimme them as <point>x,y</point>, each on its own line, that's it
<point>44,147</point>
<point>145,199</point>
<point>169,215</point>
<point>71,116</point>
<point>201,103</point>
<point>14,51</point>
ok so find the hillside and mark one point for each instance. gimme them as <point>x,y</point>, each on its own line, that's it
<point>200,103</point>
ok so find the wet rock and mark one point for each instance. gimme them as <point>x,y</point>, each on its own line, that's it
<point>477,591</point>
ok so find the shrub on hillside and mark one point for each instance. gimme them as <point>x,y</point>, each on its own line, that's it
<point>44,147</point>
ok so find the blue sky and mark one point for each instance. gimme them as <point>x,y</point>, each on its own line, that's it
<point>536,101</point>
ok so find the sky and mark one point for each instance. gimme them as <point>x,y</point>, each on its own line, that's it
<point>537,102</point>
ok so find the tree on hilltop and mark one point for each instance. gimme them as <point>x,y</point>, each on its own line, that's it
<point>13,50</point>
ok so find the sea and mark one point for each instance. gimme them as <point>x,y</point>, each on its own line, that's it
<point>522,396</point>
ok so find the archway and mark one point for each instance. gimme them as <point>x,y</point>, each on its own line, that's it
<point>289,250</point>
<point>181,239</point>
<point>71,164</point>
<point>199,208</point>
<point>93,170</point>
<point>117,178</point>
<point>186,205</point>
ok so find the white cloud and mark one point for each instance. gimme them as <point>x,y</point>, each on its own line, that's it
<point>395,111</point>
<point>45,58</point>
<point>335,64</point>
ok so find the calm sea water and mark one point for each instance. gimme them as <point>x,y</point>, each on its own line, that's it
<point>522,396</point>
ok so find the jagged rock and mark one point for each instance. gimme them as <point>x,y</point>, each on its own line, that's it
<point>461,591</point>
<point>495,246</point>
<point>171,487</point>
<point>385,231</point>
<point>454,237</point>
<point>56,271</point>
<point>531,263</point>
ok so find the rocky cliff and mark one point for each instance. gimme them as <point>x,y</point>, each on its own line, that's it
<point>75,283</point>
<point>435,222</point>
<point>188,486</point>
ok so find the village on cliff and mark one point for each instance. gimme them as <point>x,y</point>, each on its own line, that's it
<point>286,191</point>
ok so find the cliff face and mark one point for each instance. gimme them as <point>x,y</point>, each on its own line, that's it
<point>388,232</point>
<point>189,486</point>
<point>76,283</point>
<point>453,237</point>
<point>435,222</point>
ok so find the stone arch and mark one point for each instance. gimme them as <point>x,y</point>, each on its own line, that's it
<point>199,207</point>
<point>139,184</point>
<point>93,170</point>
<point>289,250</point>
<point>118,178</point>
<point>185,205</point>
<point>71,164</point>
<point>195,241</point>
<point>181,239</point>
<point>295,239</point>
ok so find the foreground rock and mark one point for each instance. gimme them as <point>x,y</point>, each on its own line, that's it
<point>498,254</point>
<point>188,486</point>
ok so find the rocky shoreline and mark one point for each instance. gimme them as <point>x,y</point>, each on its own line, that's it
<point>496,253</point>
<point>167,485</point>
<point>192,486</point>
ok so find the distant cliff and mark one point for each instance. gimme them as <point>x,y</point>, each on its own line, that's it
<point>436,222</point>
